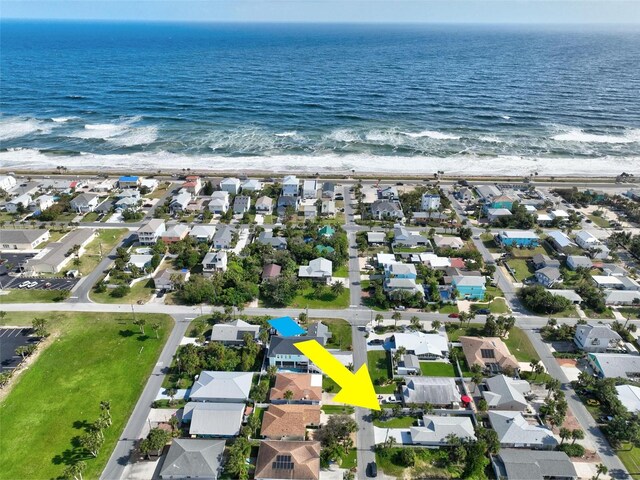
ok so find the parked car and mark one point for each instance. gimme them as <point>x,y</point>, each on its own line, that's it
<point>372,470</point>
<point>376,341</point>
<point>400,308</point>
<point>483,311</point>
<point>23,284</point>
<point>454,315</point>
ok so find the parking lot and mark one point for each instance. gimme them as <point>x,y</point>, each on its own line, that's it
<point>10,339</point>
<point>12,261</point>
<point>37,283</point>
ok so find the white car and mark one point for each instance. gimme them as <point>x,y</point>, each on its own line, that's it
<point>32,284</point>
<point>23,284</point>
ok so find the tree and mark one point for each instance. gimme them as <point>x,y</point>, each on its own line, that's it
<point>40,327</point>
<point>436,324</point>
<point>105,408</point>
<point>415,323</point>
<point>552,384</point>
<point>140,322</point>
<point>576,434</point>
<point>272,371</point>
<point>74,471</point>
<point>483,406</point>
<point>155,441</point>
<point>564,433</point>
<point>408,457</point>
<point>534,365</point>
<point>288,396</point>
<point>337,288</point>
<point>396,316</point>
<point>156,327</point>
<point>379,318</point>
<point>92,441</point>
<point>476,375</point>
<point>601,469</point>
<point>253,423</point>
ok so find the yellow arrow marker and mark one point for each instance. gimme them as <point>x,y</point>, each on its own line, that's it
<point>356,388</point>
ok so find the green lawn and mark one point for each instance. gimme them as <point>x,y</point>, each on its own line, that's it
<point>379,370</point>
<point>53,401</point>
<point>437,369</point>
<point>529,252</point>
<point>108,238</point>
<point>521,268</point>
<point>396,422</point>
<point>32,296</point>
<point>608,313</point>
<point>489,243</point>
<point>306,298</point>
<point>520,345</point>
<point>342,272</point>
<point>337,409</point>
<point>140,291</point>
<point>498,305</point>
<point>630,456</point>
<point>390,463</point>
<point>91,217</point>
<point>449,308</point>
<point>340,333</point>
<point>632,312</point>
<point>599,221</point>
<point>350,460</point>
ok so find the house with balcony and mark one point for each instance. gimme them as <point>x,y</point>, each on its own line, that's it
<point>518,238</point>
<point>231,185</point>
<point>597,338</point>
<point>469,287</point>
<point>149,233</point>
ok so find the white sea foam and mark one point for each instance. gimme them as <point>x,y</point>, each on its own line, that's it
<point>287,134</point>
<point>31,159</point>
<point>19,127</point>
<point>135,136</point>
<point>125,134</point>
<point>99,131</point>
<point>431,134</point>
<point>63,119</point>
<point>580,136</point>
<point>506,117</point>
<point>342,135</point>
<point>490,139</point>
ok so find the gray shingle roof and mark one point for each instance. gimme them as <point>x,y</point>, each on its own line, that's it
<point>513,428</point>
<point>233,331</point>
<point>214,419</point>
<point>434,390</point>
<point>232,386</point>
<point>534,464</point>
<point>21,236</point>
<point>193,458</point>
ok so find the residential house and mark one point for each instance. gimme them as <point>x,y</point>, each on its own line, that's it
<point>193,458</point>
<point>221,387</point>
<point>491,353</point>
<point>7,182</point>
<point>319,270</point>
<point>310,212</point>
<point>597,338</point>
<point>223,238</point>
<point>513,463</point>
<point>326,231</point>
<point>612,365</point>
<point>500,202</point>
<point>388,193</point>
<point>463,194</point>
<point>495,214</point>
<point>310,189</point>
<point>287,460</point>
<point>214,262</point>
<point>267,238</point>
<point>540,261</point>
<point>548,276</point>
<point>454,243</point>
<point>629,396</point>
<point>560,241</point>
<point>487,192</point>
<point>403,237</point>
<point>213,419</point>
<point>559,215</point>
<point>306,388</point>
<point>219,203</point>
<point>127,203</point>
<point>328,190</point>
<point>286,202</point>
<point>284,354</point>
<point>621,297</point>
<point>376,238</point>
<point>271,271</point>
<point>437,391</point>
<point>591,244</point>
<point>408,365</point>
<point>264,205</point>
<point>570,295</point>
<point>430,202</point>
<point>40,204</point>
<point>165,279</point>
<point>230,185</point>
<point>290,186</point>
<point>328,208</point>
<point>437,430</point>
<point>192,185</point>
<point>203,233</point>
<point>506,393</point>
<point>22,239</point>
<point>289,422</point>
<point>179,202</point>
<point>175,233</point>
<point>234,333</point>
<point>241,204</point>
<point>615,282</point>
<point>578,261</point>
<point>386,209</point>
<point>16,204</point>
<point>149,233</point>
<point>128,181</point>
<point>426,346</point>
<point>405,284</point>
<point>518,238</point>
<point>140,261</point>
<point>401,270</point>
<point>251,185</point>
<point>469,287</point>
<point>514,431</point>
<point>149,184</point>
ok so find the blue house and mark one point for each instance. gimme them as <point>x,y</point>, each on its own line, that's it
<point>518,238</point>
<point>401,270</point>
<point>469,287</point>
<point>501,201</point>
<point>128,182</point>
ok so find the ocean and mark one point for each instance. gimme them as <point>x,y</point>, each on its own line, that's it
<point>411,99</point>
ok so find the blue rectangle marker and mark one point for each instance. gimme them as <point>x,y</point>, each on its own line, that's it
<point>286,327</point>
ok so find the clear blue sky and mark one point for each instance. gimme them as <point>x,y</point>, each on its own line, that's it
<point>387,11</point>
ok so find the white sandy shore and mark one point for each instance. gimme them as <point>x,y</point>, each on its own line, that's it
<point>28,159</point>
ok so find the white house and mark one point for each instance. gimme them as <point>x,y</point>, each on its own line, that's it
<point>214,262</point>
<point>506,393</point>
<point>12,206</point>
<point>310,189</point>
<point>203,233</point>
<point>85,202</point>
<point>149,233</point>
<point>219,202</point>
<point>241,204</point>
<point>290,186</point>
<point>437,430</point>
<point>41,203</point>
<point>319,269</point>
<point>264,205</point>
<point>7,182</point>
<point>230,185</point>
<point>430,202</point>
<point>579,261</point>
<point>180,201</point>
<point>426,346</point>
<point>251,185</point>
<point>596,338</point>
<point>22,239</point>
<point>590,243</point>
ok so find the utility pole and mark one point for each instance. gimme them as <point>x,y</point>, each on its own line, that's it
<point>133,312</point>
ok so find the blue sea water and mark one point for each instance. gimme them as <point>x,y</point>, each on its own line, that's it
<point>274,97</point>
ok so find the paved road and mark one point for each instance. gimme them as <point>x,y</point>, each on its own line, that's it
<point>588,425</point>
<point>117,464</point>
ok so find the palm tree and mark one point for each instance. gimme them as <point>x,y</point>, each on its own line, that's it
<point>272,370</point>
<point>600,469</point>
<point>564,434</point>
<point>552,384</point>
<point>75,471</point>
<point>436,324</point>
<point>379,318</point>
<point>337,288</point>
<point>156,327</point>
<point>415,323</point>
<point>396,316</point>
<point>140,322</point>
<point>534,364</point>
<point>288,396</point>
<point>476,375</point>
<point>576,434</point>
<point>105,407</point>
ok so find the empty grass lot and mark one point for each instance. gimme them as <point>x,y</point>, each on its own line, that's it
<point>378,364</point>
<point>437,369</point>
<point>95,357</point>
<point>340,333</point>
<point>141,291</point>
<point>108,238</point>
<point>307,298</point>
<point>32,296</point>
<point>520,268</point>
<point>396,422</point>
